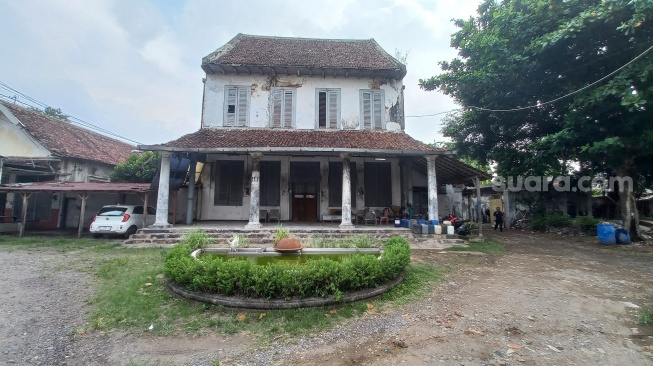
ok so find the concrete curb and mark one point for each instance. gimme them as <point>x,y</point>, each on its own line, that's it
<point>275,304</point>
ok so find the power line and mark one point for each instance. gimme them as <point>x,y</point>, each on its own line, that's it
<point>71,119</point>
<point>543,103</point>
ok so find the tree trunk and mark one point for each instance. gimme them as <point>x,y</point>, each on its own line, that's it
<point>635,234</point>
<point>625,202</point>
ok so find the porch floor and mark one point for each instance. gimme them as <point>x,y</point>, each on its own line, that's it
<point>222,231</point>
<point>289,225</point>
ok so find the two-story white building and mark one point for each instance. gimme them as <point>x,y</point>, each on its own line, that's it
<point>311,128</point>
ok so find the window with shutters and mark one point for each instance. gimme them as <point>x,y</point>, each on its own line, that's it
<point>378,185</point>
<point>270,183</point>
<point>282,105</point>
<point>236,102</point>
<point>335,183</point>
<point>372,109</point>
<point>229,183</point>
<point>328,108</point>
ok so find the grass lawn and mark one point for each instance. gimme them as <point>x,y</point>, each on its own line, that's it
<point>130,295</point>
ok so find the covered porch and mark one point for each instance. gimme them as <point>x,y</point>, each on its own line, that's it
<point>334,179</point>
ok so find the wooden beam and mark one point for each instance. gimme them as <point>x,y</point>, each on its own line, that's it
<point>82,212</point>
<point>23,214</point>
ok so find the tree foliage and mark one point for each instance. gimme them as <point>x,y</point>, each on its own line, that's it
<point>139,168</point>
<point>52,112</point>
<point>516,56</point>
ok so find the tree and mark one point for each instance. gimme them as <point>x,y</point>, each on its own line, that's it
<point>525,76</point>
<point>52,112</point>
<point>139,168</point>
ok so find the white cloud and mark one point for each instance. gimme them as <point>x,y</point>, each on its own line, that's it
<point>133,67</point>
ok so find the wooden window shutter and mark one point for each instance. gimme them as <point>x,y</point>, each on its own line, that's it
<point>222,182</point>
<point>242,107</point>
<point>333,108</point>
<point>230,112</point>
<point>287,108</point>
<point>378,110</point>
<point>270,183</point>
<point>276,108</point>
<point>367,110</point>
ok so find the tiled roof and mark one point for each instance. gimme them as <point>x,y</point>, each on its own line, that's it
<point>64,139</point>
<point>309,53</point>
<point>77,187</point>
<point>214,138</point>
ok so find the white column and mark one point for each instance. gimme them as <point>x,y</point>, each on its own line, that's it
<point>255,194</point>
<point>190,207</point>
<point>345,222</point>
<point>432,187</point>
<point>164,193</point>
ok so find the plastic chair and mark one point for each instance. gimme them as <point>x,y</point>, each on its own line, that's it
<point>263,215</point>
<point>274,215</point>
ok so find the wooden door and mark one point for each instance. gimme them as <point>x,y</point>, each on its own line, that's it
<point>304,202</point>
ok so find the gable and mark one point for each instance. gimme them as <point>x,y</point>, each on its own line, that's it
<point>15,141</point>
<point>62,138</point>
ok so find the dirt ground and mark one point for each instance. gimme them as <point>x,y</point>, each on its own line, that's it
<point>549,300</point>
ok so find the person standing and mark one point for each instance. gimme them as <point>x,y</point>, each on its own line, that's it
<point>498,219</point>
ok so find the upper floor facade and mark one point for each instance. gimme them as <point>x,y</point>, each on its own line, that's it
<point>300,83</point>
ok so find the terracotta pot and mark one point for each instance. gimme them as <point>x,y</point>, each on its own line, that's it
<point>288,245</point>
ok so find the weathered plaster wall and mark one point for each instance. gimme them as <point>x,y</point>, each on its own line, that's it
<point>305,99</point>
<point>77,170</point>
<point>208,211</point>
<point>14,141</point>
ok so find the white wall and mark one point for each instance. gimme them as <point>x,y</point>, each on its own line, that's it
<point>208,211</point>
<point>14,141</point>
<point>305,108</point>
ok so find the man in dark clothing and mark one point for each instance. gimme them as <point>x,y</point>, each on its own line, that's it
<point>498,219</point>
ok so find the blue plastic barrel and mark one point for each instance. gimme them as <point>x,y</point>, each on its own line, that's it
<point>605,232</point>
<point>434,222</point>
<point>622,236</point>
<point>421,222</point>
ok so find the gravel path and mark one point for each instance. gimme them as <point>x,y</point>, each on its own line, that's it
<point>548,300</point>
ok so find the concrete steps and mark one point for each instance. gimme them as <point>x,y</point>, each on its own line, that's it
<point>265,237</point>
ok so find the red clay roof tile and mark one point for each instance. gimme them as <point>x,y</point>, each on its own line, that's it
<point>213,138</point>
<point>65,139</point>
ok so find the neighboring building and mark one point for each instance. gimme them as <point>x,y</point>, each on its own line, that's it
<point>313,128</point>
<point>35,147</point>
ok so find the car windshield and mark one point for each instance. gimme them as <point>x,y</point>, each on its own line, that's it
<point>112,211</point>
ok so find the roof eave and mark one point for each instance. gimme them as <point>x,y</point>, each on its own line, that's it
<point>245,69</point>
<point>293,150</point>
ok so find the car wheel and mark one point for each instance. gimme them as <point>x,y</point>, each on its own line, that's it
<point>131,231</point>
<point>96,236</point>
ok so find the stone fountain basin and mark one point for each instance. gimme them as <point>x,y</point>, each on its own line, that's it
<point>270,251</point>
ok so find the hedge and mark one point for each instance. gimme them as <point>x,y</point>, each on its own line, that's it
<point>319,277</point>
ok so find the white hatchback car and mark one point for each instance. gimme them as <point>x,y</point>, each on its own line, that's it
<point>121,220</point>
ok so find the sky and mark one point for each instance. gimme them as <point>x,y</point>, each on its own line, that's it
<point>133,66</point>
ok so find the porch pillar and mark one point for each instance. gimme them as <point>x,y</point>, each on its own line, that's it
<point>345,223</point>
<point>164,193</point>
<point>191,190</point>
<point>82,212</point>
<point>432,187</point>
<point>23,214</point>
<point>255,194</point>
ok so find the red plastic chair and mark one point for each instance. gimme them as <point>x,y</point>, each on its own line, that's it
<point>385,216</point>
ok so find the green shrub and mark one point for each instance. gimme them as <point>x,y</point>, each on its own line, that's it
<point>587,223</point>
<point>321,277</point>
<point>558,220</point>
<point>539,223</point>
<point>196,239</point>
